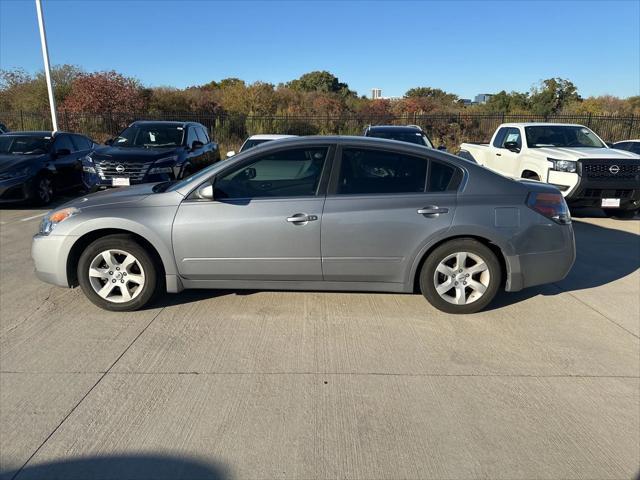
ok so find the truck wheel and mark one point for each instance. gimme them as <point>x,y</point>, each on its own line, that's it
<point>620,213</point>
<point>461,276</point>
<point>116,273</point>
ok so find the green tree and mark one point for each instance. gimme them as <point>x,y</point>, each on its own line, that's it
<point>433,93</point>
<point>320,81</point>
<point>552,95</point>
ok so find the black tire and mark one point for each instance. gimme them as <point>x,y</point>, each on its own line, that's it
<point>43,190</point>
<point>493,279</point>
<point>620,213</point>
<point>150,272</point>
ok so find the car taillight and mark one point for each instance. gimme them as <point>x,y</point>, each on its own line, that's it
<point>550,205</point>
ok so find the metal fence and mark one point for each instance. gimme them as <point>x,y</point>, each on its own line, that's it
<point>231,129</point>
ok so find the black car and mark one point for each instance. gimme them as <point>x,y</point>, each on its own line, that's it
<point>3,128</point>
<point>632,146</point>
<point>402,133</point>
<point>148,151</point>
<point>34,166</point>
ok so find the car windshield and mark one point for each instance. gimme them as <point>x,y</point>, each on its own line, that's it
<point>150,136</point>
<point>252,143</point>
<point>410,137</point>
<point>561,136</point>
<point>24,144</point>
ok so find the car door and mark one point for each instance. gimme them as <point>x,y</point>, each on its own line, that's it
<point>263,223</point>
<point>195,156</point>
<point>207,154</point>
<point>506,161</point>
<point>66,160</point>
<point>380,211</point>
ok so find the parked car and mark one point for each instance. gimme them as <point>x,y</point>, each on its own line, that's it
<point>402,133</point>
<point>149,151</point>
<point>35,166</point>
<point>570,157</point>
<point>314,213</point>
<point>255,140</point>
<point>628,145</point>
<point>3,128</point>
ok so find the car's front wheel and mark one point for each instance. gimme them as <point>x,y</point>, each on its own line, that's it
<point>461,276</point>
<point>117,273</point>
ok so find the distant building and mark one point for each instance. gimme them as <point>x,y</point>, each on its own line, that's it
<point>482,97</point>
<point>376,93</point>
<point>466,101</point>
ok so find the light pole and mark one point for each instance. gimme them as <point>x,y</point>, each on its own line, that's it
<point>47,69</point>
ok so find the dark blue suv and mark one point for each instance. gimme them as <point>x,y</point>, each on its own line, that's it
<point>150,151</point>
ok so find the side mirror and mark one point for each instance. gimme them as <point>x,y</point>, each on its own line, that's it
<point>205,192</point>
<point>108,141</point>
<point>62,152</point>
<point>512,146</point>
<point>231,153</point>
<point>442,148</point>
<point>196,144</point>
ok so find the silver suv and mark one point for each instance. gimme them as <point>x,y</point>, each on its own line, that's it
<point>314,213</point>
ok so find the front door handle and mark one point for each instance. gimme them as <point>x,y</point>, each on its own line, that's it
<point>432,210</point>
<point>498,154</point>
<point>301,218</point>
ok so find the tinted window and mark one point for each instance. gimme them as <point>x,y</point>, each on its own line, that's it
<point>252,143</point>
<point>499,138</point>
<point>150,135</point>
<point>200,135</point>
<point>205,135</point>
<point>443,177</point>
<point>288,173</point>
<point>64,142</point>
<point>81,142</point>
<point>23,144</point>
<point>635,147</point>
<point>416,137</point>
<point>561,136</point>
<point>191,136</point>
<point>512,135</point>
<point>374,171</point>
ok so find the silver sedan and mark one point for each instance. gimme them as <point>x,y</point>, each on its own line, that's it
<point>314,213</point>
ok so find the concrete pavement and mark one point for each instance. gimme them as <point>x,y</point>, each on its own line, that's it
<point>221,385</point>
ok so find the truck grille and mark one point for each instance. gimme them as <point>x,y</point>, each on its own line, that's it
<point>609,193</point>
<point>604,170</point>
<point>107,170</point>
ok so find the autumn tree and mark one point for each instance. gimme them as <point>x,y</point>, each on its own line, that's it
<point>104,92</point>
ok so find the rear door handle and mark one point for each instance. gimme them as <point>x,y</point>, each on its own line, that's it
<point>301,218</point>
<point>432,210</point>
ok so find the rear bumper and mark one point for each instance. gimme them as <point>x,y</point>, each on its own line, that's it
<point>538,268</point>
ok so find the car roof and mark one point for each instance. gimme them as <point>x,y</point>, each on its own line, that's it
<point>541,124</point>
<point>165,122</point>
<point>395,128</point>
<point>269,136</point>
<point>43,133</point>
<point>635,140</point>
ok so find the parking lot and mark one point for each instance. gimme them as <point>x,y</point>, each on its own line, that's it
<point>231,384</point>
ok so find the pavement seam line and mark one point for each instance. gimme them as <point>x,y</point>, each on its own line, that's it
<point>595,310</point>
<point>73,409</point>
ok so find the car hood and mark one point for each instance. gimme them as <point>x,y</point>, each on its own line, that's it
<point>133,154</point>
<point>571,153</point>
<point>9,162</point>
<point>131,195</point>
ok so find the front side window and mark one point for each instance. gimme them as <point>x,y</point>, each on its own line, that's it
<point>150,136</point>
<point>287,173</point>
<point>512,135</point>
<point>365,171</point>
<point>499,138</point>
<point>63,142</point>
<point>81,142</point>
<point>561,136</point>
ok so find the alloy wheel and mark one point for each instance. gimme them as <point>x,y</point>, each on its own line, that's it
<point>45,190</point>
<point>461,278</point>
<point>117,276</point>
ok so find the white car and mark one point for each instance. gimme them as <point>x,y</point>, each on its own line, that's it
<point>628,145</point>
<point>570,157</point>
<point>254,140</point>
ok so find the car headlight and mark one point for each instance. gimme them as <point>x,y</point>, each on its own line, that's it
<point>166,168</point>
<point>563,165</point>
<point>88,165</point>
<point>55,217</point>
<point>18,172</point>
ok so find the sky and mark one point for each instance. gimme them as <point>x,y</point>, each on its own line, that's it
<point>464,47</point>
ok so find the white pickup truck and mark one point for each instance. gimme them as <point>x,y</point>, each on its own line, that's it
<point>571,157</point>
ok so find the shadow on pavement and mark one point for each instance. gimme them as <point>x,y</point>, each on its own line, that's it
<point>122,467</point>
<point>603,255</point>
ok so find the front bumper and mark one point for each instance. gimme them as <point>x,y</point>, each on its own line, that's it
<point>94,182</point>
<point>591,189</point>
<point>50,253</point>
<point>15,190</point>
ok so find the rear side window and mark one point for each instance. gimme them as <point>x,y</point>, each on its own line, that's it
<point>443,177</point>
<point>64,142</point>
<point>365,171</point>
<point>201,135</point>
<point>205,135</point>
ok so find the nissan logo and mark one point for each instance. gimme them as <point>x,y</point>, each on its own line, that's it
<point>120,168</point>
<point>614,169</point>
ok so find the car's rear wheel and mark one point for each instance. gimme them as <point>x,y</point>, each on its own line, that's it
<point>117,273</point>
<point>43,190</point>
<point>461,276</point>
